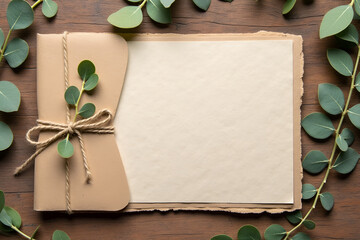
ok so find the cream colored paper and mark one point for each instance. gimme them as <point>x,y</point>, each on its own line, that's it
<point>209,121</point>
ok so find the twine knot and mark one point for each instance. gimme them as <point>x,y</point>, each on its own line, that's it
<point>70,128</point>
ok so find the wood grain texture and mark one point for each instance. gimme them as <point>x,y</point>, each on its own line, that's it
<point>236,17</point>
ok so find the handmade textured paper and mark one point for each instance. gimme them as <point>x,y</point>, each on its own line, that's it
<point>208,121</point>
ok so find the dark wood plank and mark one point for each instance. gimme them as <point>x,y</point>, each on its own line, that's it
<point>239,16</point>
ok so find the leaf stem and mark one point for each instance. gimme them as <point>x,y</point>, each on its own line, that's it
<point>77,104</point>
<point>337,132</point>
<point>143,3</point>
<point>36,3</point>
<point>21,233</point>
<point>5,45</point>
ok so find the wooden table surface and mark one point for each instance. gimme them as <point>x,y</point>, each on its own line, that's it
<point>240,16</point>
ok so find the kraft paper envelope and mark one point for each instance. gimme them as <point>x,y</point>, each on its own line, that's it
<point>212,122</point>
<point>108,190</point>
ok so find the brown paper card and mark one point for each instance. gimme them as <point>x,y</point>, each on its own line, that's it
<point>108,190</point>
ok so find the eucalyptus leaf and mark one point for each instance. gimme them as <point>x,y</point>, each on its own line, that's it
<point>34,233</point>
<point>341,61</point>
<point>85,69</point>
<point>348,135</point>
<point>158,12</point>
<point>19,14</point>
<point>167,3</point>
<point>249,232</point>
<point>6,136</point>
<point>14,215</point>
<point>49,8</point>
<point>221,237</point>
<point>65,148</point>
<point>336,20</point>
<point>288,6</point>
<point>315,162</point>
<point>9,97</point>
<point>92,82</point>
<point>87,110</point>
<point>341,143</point>
<point>331,98</point>
<point>202,4</point>
<point>318,125</point>
<point>301,236</point>
<point>309,224</point>
<point>357,81</point>
<point>127,17</point>
<point>5,218</point>
<point>72,95</point>
<point>354,115</point>
<point>350,34</point>
<point>327,201</point>
<point>294,217</point>
<point>308,191</point>
<point>274,232</point>
<point>16,52</point>
<point>2,200</point>
<point>2,38</point>
<point>346,161</point>
<point>60,235</point>
<point>357,7</point>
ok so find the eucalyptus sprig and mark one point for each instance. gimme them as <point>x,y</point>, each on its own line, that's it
<point>10,222</point>
<point>20,15</point>
<point>86,70</point>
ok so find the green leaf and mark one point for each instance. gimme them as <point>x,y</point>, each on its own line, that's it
<point>327,201</point>
<point>167,3</point>
<point>331,98</point>
<point>85,69</point>
<point>65,148</point>
<point>249,232</point>
<point>19,14</point>
<point>318,125</point>
<point>288,5</point>
<point>341,61</point>
<point>49,8</point>
<point>357,6</point>
<point>308,191</point>
<point>348,136</point>
<point>309,224</point>
<point>60,235</point>
<point>9,97</point>
<point>341,143</point>
<point>158,12</point>
<point>301,236</point>
<point>357,81</point>
<point>34,233</point>
<point>274,232</point>
<point>354,115</point>
<point>202,4</point>
<point>127,17</point>
<point>2,200</point>
<point>16,52</point>
<point>72,95</point>
<point>6,136</point>
<point>294,217</point>
<point>5,218</point>
<point>14,215</point>
<point>346,161</point>
<point>336,20</point>
<point>314,162</point>
<point>2,38</point>
<point>87,110</point>
<point>92,82</point>
<point>221,237</point>
<point>350,34</point>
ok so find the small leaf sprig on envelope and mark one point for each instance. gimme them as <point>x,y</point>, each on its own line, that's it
<point>86,70</point>
<point>20,15</point>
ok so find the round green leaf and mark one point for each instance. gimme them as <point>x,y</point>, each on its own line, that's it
<point>60,235</point>
<point>357,81</point>
<point>357,6</point>
<point>288,5</point>
<point>14,215</point>
<point>314,162</point>
<point>87,110</point>
<point>19,14</point>
<point>5,219</point>
<point>309,224</point>
<point>354,115</point>
<point>350,34</point>
<point>2,200</point>
<point>336,20</point>
<point>301,236</point>
<point>158,12</point>
<point>202,4</point>
<point>16,52</point>
<point>167,3</point>
<point>331,98</point>
<point>318,125</point>
<point>308,191</point>
<point>49,8</point>
<point>92,82</point>
<point>6,136</point>
<point>85,69</point>
<point>2,38</point>
<point>341,143</point>
<point>327,201</point>
<point>9,97</point>
<point>274,232</point>
<point>65,148</point>
<point>127,17</point>
<point>294,217</point>
<point>221,237</point>
<point>340,61</point>
<point>249,232</point>
<point>72,95</point>
<point>346,161</point>
<point>348,136</point>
